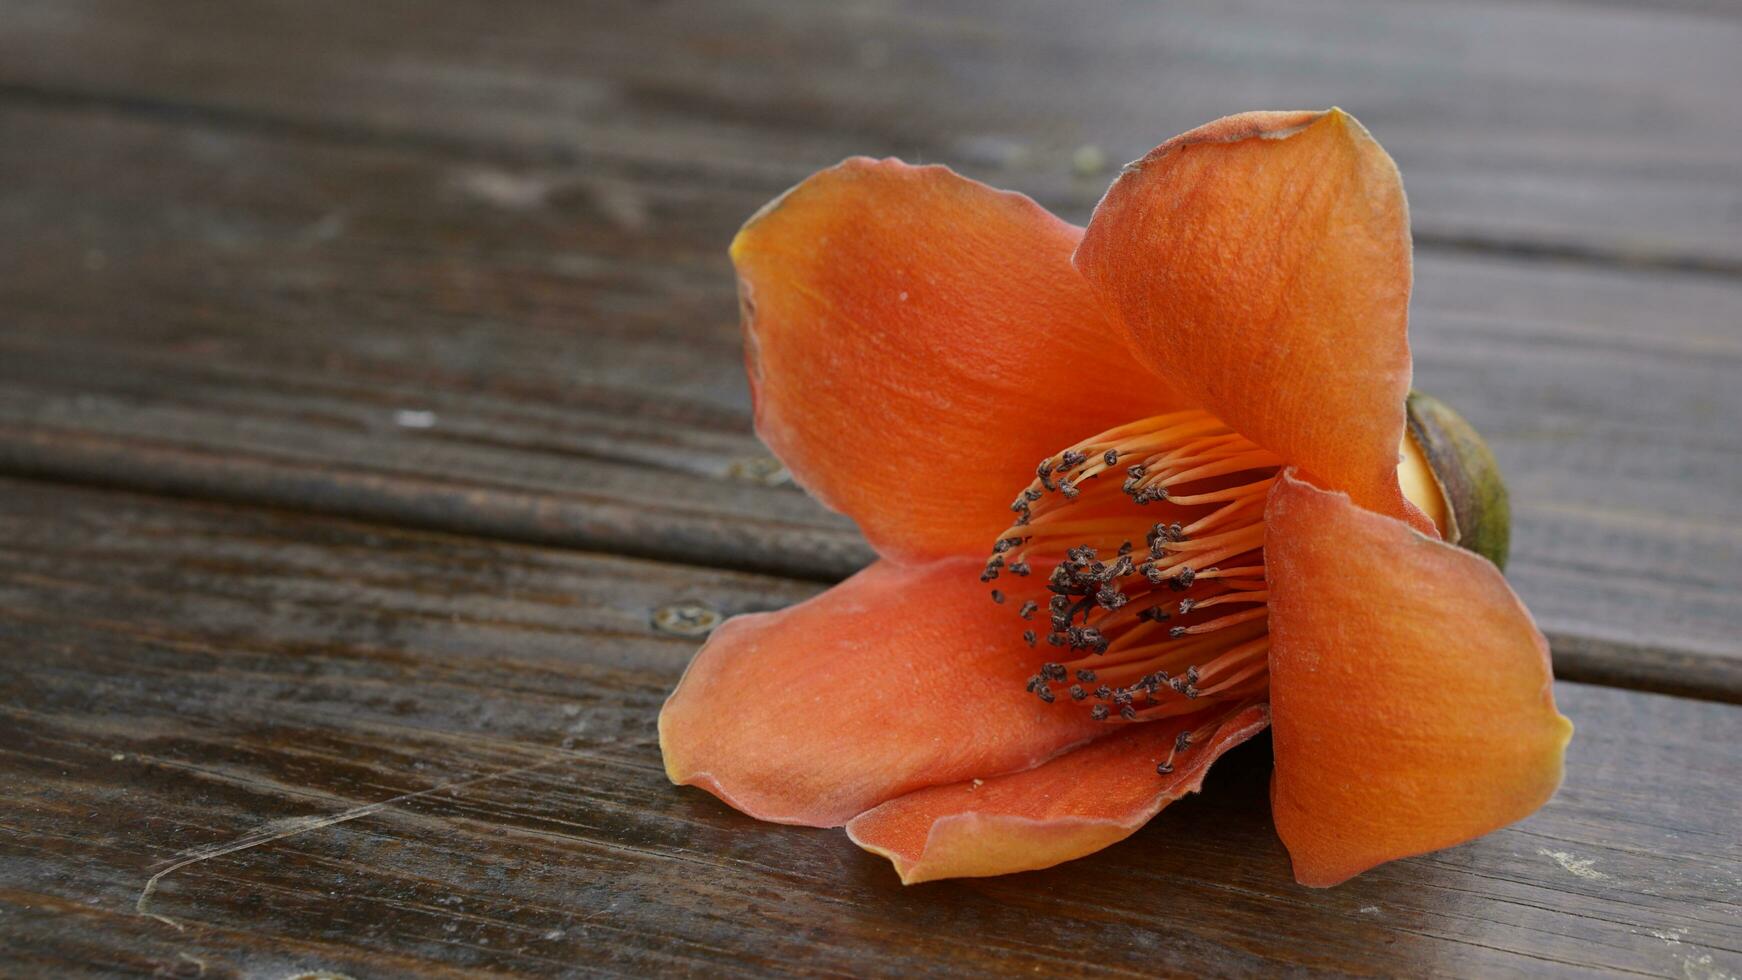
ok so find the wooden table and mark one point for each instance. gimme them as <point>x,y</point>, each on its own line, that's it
<point>369,380</point>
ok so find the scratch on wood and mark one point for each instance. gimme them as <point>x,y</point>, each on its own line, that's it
<point>1574,864</point>
<point>281,830</point>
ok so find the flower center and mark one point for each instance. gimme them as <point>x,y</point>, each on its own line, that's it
<point>1151,540</point>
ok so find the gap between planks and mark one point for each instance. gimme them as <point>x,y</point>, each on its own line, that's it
<point>1578,658</point>
<point>338,133</point>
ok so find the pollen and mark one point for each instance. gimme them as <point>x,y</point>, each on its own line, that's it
<point>1172,626</point>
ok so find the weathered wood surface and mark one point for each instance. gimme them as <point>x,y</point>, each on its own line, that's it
<point>1583,128</point>
<point>550,354</point>
<point>460,267</point>
<point>442,752</point>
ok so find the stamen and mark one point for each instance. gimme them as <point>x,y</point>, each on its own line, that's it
<point>1167,627</point>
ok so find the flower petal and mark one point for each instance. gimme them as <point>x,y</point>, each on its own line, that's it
<point>1411,693</point>
<point>1074,805</point>
<point>1262,263</point>
<point>898,678</point>
<point>917,342</point>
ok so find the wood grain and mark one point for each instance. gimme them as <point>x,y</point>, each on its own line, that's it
<point>380,332</point>
<point>1567,128</point>
<point>459,267</point>
<point>442,752</point>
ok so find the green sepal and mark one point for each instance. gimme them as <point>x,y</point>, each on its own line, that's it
<point>1469,478</point>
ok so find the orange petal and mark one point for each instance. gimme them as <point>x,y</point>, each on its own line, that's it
<point>898,678</point>
<point>1074,805</point>
<point>1262,262</point>
<point>1411,693</point>
<point>917,342</point>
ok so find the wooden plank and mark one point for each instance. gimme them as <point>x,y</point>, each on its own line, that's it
<point>441,753</point>
<point>379,332</point>
<point>1568,128</point>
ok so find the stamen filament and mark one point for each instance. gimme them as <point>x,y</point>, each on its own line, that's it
<point>1250,490</point>
<point>1227,597</point>
<point>1226,621</point>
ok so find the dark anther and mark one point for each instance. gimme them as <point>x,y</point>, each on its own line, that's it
<point>1028,608</point>
<point>1136,471</point>
<point>1032,494</point>
<point>1128,713</point>
<point>1191,675</point>
<point>1183,742</point>
<point>1043,472</point>
<point>1111,598</point>
<point>1034,682</point>
<point>1045,693</point>
<point>1077,692</point>
<point>1057,639</point>
<point>992,565</point>
<point>1191,692</point>
<point>1029,636</point>
<point>1164,768</point>
<point>1072,459</point>
<point>1053,672</point>
<point>1122,696</point>
<point>1006,544</point>
<point>1020,504</point>
<point>1184,579</point>
<point>1019,569</point>
<point>1185,605</point>
<point>1110,457</point>
<point>1069,489</point>
<point>1103,692</point>
<point>1125,549</point>
<point>1061,611</point>
<point>1098,712</point>
<point>997,596</point>
<point>1060,581</point>
<point>1153,574</point>
<point>1118,569</point>
<point>1177,632</point>
<point>1086,676</point>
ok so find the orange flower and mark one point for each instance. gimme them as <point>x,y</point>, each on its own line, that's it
<point>1232,549</point>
